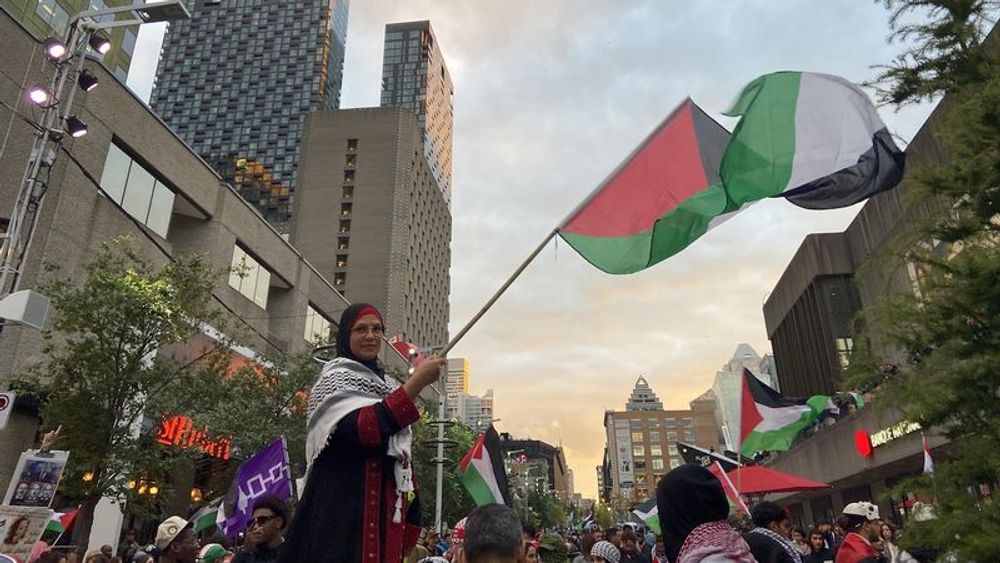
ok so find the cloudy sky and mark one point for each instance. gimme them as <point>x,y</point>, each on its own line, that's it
<point>549,97</point>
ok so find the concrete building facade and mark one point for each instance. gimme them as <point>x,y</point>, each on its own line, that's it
<point>641,445</point>
<point>237,80</point>
<point>534,465</point>
<point>414,76</point>
<point>372,219</point>
<point>136,177</point>
<point>458,378</point>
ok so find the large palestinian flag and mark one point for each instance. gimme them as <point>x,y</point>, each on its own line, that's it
<point>770,422</point>
<point>482,472</point>
<point>814,139</point>
<point>661,198</point>
<point>649,513</point>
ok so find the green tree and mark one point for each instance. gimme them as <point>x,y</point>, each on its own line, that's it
<point>604,517</point>
<point>456,502</point>
<point>933,353</point>
<point>100,363</point>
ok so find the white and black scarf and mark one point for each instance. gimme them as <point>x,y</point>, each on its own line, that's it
<point>784,543</point>
<point>344,386</point>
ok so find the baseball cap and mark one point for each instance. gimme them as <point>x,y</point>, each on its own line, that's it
<point>210,553</point>
<point>866,510</point>
<point>168,530</point>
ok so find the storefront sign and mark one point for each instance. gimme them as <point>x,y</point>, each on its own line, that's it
<point>863,443</point>
<point>895,431</point>
<point>180,431</point>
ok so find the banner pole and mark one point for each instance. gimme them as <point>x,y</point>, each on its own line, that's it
<point>499,292</point>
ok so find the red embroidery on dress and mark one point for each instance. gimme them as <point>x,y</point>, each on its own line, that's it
<point>393,531</point>
<point>402,408</point>
<point>370,521</point>
<point>368,428</point>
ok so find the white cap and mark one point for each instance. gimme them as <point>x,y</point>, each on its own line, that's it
<point>865,509</point>
<point>168,530</point>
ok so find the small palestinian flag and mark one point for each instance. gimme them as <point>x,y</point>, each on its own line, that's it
<point>770,422</point>
<point>814,139</point>
<point>661,198</point>
<point>207,515</point>
<point>649,513</point>
<point>61,522</point>
<point>928,460</point>
<point>736,503</point>
<point>482,472</point>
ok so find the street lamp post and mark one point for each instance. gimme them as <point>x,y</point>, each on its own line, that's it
<point>57,120</point>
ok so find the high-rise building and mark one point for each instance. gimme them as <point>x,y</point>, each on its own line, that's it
<point>372,220</point>
<point>414,76</point>
<point>237,80</point>
<point>728,389</point>
<point>643,398</point>
<point>50,18</point>
<point>458,377</point>
<point>641,445</point>
<point>533,465</point>
<point>473,411</point>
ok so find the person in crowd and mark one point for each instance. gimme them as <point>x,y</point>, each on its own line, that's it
<point>818,552</point>
<point>493,535</point>
<point>552,549</point>
<point>863,527</point>
<point>358,453</point>
<point>128,547</point>
<point>693,510</point>
<point>605,552</point>
<point>530,533</point>
<point>531,552</point>
<point>106,551</point>
<point>770,540</point>
<point>457,538</point>
<point>840,528</point>
<point>586,545</point>
<point>176,541</point>
<point>420,550</point>
<point>614,535</point>
<point>830,538</point>
<point>799,541</point>
<point>211,553</point>
<point>51,556</point>
<point>266,530</point>
<point>649,540</point>
<point>659,553</point>
<point>142,557</point>
<point>630,549</point>
<point>892,552</point>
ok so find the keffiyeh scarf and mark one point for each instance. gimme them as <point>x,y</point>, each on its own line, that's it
<point>715,542</point>
<point>345,386</point>
<point>784,543</point>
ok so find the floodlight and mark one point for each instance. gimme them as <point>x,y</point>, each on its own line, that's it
<point>40,95</point>
<point>55,50</point>
<point>75,126</point>
<point>87,80</point>
<point>100,43</point>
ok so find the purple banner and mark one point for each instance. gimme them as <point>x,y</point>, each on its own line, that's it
<point>266,473</point>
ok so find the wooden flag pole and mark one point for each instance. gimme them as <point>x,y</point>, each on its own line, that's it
<point>496,296</point>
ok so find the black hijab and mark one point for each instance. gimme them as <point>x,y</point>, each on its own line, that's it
<point>347,320</point>
<point>686,498</point>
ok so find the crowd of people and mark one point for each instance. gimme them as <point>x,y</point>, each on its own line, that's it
<point>359,501</point>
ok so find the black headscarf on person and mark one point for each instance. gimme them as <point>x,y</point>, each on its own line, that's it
<point>686,498</point>
<point>347,320</point>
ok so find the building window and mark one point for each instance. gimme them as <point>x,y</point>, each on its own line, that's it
<point>54,15</point>
<point>654,436</point>
<point>638,450</point>
<point>671,423</point>
<point>347,192</point>
<point>671,436</point>
<point>317,326</point>
<point>249,277</point>
<point>345,225</point>
<point>844,348</point>
<point>339,279</point>
<point>655,450</point>
<point>348,176</point>
<point>128,42</point>
<point>689,436</point>
<point>352,144</point>
<point>674,462</point>
<point>637,437</point>
<point>345,209</point>
<point>658,464</point>
<point>351,161</point>
<point>688,423</point>
<point>341,261</point>
<point>137,191</point>
<point>343,243</point>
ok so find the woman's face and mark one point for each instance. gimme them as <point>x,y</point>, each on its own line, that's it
<point>797,537</point>
<point>366,337</point>
<point>886,532</point>
<point>531,554</point>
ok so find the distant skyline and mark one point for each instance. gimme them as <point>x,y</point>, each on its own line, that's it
<point>550,97</point>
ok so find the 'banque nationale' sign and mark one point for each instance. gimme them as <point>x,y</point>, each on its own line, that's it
<point>897,430</point>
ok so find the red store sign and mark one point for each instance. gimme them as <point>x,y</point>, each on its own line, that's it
<point>180,431</point>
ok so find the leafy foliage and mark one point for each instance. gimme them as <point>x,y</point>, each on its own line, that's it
<point>933,352</point>
<point>456,503</point>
